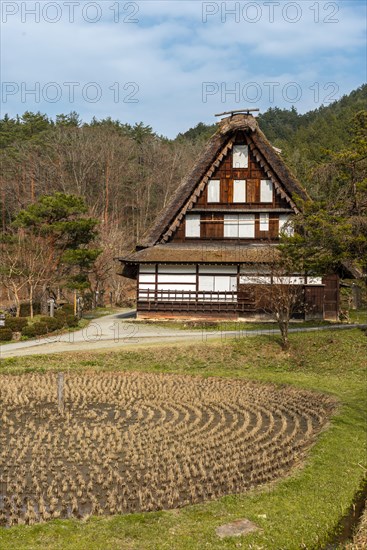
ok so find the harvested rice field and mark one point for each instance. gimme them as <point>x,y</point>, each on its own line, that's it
<point>135,442</point>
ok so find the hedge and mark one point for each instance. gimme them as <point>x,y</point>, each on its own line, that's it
<point>16,324</point>
<point>52,323</point>
<point>72,321</point>
<point>29,331</point>
<point>6,334</point>
<point>68,309</point>
<point>40,328</point>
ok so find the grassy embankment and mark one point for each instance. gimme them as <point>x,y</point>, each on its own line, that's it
<point>355,317</point>
<point>298,512</point>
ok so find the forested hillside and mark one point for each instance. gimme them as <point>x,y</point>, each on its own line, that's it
<point>126,174</point>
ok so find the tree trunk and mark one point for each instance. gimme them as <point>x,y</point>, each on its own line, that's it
<point>31,312</point>
<point>44,306</point>
<point>107,193</point>
<point>32,189</point>
<point>17,301</point>
<point>283,325</point>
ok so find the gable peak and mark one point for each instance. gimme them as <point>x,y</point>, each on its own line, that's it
<point>237,121</point>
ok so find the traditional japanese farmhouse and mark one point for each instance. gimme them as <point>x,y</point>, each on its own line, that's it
<point>208,252</point>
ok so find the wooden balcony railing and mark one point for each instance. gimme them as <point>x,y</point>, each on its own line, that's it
<point>190,296</point>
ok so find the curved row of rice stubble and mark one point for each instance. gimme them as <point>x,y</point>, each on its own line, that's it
<point>128,442</point>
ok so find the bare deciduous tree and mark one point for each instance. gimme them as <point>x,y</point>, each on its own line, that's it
<point>279,292</point>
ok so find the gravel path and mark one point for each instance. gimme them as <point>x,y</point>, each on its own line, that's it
<point>117,330</point>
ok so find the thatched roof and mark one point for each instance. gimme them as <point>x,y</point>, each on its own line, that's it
<point>218,146</point>
<point>220,252</point>
<point>350,270</point>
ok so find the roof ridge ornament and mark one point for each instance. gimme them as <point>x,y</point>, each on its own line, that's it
<point>238,112</point>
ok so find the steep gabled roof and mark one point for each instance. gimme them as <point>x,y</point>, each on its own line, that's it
<point>217,148</point>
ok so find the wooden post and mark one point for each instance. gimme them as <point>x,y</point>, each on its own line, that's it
<point>52,307</point>
<point>356,296</point>
<point>60,392</point>
<point>75,303</point>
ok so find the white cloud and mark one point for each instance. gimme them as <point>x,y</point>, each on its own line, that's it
<point>171,52</point>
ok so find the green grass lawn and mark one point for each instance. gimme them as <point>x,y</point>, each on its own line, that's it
<point>355,316</point>
<point>301,511</point>
<point>238,326</point>
<point>358,316</point>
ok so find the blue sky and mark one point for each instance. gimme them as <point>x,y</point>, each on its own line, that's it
<point>174,63</point>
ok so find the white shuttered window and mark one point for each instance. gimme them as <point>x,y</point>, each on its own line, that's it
<point>231,226</point>
<point>239,191</point>
<point>214,191</point>
<point>222,285</point>
<point>246,228</point>
<point>240,156</point>
<point>266,191</point>
<point>192,225</point>
<point>239,226</point>
<point>264,222</point>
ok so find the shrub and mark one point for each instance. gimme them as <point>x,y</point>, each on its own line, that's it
<point>6,334</point>
<point>68,309</point>
<point>60,317</point>
<point>60,321</point>
<point>40,328</point>
<point>29,331</point>
<point>59,313</point>
<point>16,324</point>
<point>72,321</point>
<point>52,323</point>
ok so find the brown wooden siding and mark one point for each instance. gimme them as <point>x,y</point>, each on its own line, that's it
<point>247,297</point>
<point>314,302</point>
<point>272,234</point>
<point>332,297</point>
<point>179,236</point>
<point>258,298</point>
<point>253,174</point>
<point>212,228</point>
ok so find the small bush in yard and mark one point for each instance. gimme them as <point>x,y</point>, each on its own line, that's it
<point>40,328</point>
<point>16,324</point>
<point>60,317</point>
<point>60,314</point>
<point>68,309</point>
<point>72,321</point>
<point>52,323</point>
<point>6,334</point>
<point>61,322</point>
<point>29,331</point>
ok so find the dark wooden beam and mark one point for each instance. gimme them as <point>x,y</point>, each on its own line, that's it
<point>237,111</point>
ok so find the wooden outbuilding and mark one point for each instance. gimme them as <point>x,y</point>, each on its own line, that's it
<point>210,250</point>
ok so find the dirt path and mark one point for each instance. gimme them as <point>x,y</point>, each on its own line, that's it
<point>116,331</point>
<point>111,331</point>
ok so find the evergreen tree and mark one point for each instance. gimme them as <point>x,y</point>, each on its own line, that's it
<point>333,229</point>
<point>60,220</point>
